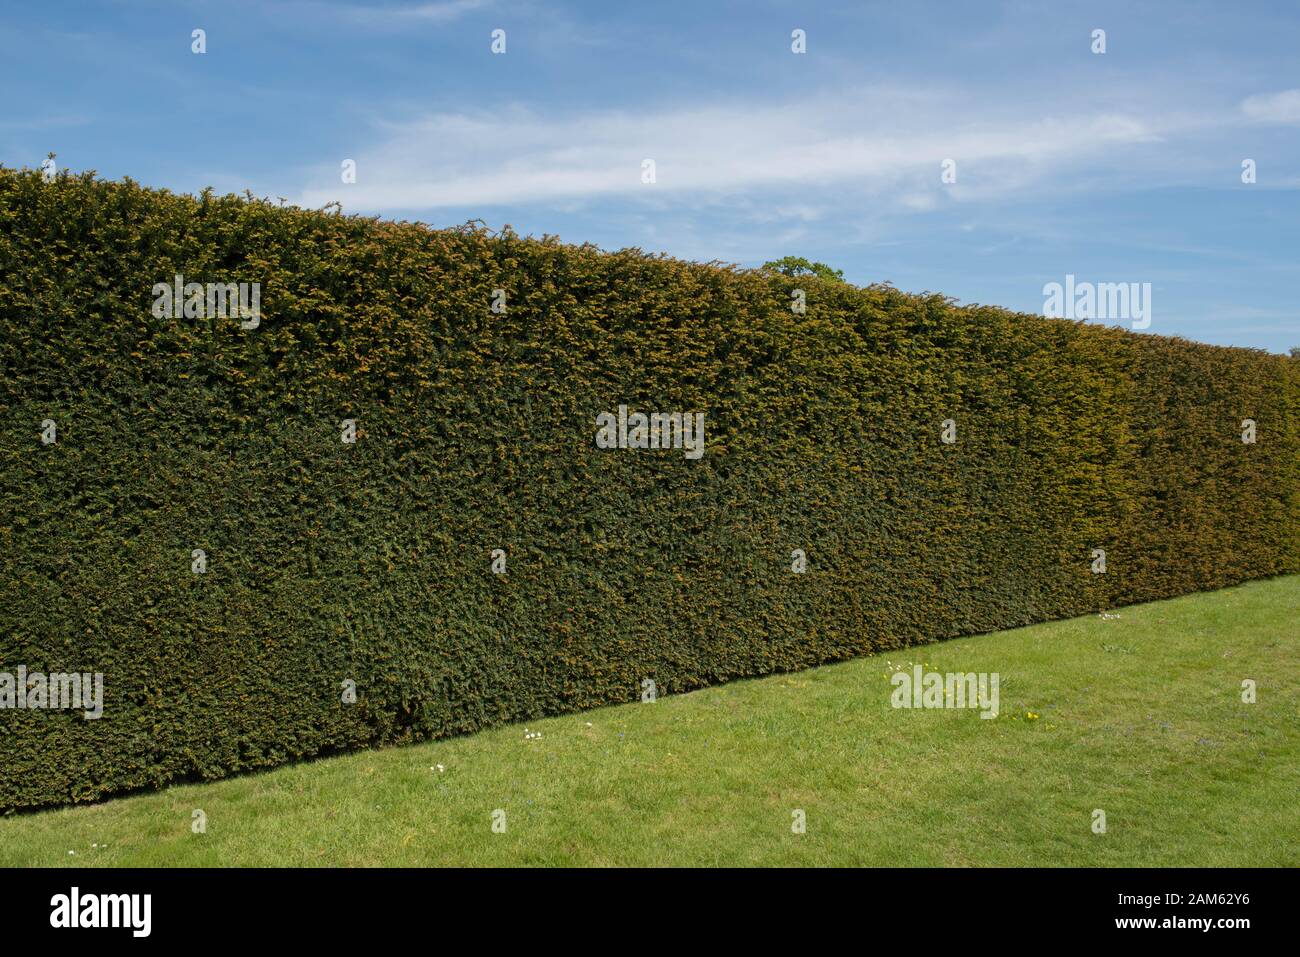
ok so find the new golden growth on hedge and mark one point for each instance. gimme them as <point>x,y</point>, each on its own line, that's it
<point>386,482</point>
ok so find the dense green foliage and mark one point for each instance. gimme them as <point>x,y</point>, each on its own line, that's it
<point>799,266</point>
<point>370,562</point>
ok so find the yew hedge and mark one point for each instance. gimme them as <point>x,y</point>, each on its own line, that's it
<point>371,562</point>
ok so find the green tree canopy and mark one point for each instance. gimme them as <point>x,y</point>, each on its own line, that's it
<point>798,266</point>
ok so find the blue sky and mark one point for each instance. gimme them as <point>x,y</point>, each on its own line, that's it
<point>1119,167</point>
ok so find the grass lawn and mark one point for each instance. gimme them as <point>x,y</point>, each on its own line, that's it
<point>1141,716</point>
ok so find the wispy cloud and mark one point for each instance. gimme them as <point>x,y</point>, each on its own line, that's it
<point>1281,107</point>
<point>49,122</point>
<point>884,141</point>
<point>399,15</point>
<point>438,12</point>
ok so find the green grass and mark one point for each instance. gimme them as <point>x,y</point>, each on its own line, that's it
<point>1140,716</point>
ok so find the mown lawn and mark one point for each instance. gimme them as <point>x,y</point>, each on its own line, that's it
<point>1140,716</point>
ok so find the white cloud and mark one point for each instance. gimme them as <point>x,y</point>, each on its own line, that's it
<point>920,202</point>
<point>1282,107</point>
<point>439,12</point>
<point>872,142</point>
<point>396,15</point>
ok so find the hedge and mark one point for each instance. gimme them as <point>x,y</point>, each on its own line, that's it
<point>371,562</point>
